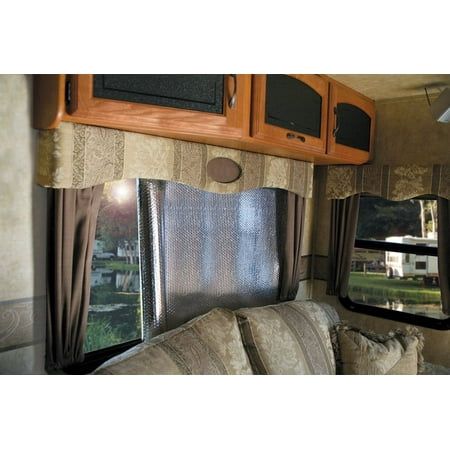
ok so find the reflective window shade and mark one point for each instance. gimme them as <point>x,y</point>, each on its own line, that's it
<point>202,250</point>
<point>115,306</point>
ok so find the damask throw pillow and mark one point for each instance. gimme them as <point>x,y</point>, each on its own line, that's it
<point>361,352</point>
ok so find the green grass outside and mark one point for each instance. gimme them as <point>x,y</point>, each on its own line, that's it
<point>101,333</point>
<point>377,285</point>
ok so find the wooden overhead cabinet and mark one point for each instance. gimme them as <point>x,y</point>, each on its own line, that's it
<point>351,125</point>
<point>180,106</point>
<point>306,117</point>
<point>290,111</point>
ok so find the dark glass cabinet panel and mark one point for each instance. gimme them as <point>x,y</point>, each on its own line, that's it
<point>194,92</point>
<point>353,127</point>
<point>293,105</point>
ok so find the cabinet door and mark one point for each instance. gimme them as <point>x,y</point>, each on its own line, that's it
<point>291,111</point>
<point>351,124</point>
<point>180,106</point>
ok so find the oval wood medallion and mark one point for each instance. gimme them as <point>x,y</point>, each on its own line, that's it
<point>223,170</point>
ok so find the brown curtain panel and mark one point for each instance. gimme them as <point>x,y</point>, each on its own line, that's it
<point>444,252</point>
<point>73,219</point>
<point>344,220</point>
<point>290,257</point>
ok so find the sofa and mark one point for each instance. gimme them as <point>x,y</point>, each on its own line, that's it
<point>289,338</point>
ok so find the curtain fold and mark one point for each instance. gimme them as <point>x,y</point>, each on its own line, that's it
<point>344,220</point>
<point>73,219</point>
<point>444,252</point>
<point>291,250</point>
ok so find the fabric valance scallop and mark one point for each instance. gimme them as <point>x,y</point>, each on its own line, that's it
<point>79,156</point>
<point>390,182</point>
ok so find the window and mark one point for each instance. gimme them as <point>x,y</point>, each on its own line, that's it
<point>115,307</point>
<point>394,267</point>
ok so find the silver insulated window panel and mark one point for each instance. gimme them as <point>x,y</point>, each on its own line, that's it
<point>201,250</point>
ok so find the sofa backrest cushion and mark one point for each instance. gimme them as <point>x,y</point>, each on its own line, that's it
<point>288,338</point>
<point>207,345</point>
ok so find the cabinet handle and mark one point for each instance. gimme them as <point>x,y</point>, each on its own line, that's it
<point>336,127</point>
<point>293,136</point>
<point>233,98</point>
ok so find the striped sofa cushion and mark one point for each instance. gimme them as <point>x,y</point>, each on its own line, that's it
<point>207,345</point>
<point>288,338</point>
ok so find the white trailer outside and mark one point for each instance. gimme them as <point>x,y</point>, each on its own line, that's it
<point>131,249</point>
<point>408,265</point>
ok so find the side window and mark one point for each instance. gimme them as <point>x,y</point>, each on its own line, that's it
<point>394,265</point>
<point>115,307</point>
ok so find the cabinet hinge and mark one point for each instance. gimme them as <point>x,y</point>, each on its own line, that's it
<point>68,93</point>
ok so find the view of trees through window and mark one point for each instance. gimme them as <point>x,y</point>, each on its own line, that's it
<point>404,282</point>
<point>379,218</point>
<point>115,307</point>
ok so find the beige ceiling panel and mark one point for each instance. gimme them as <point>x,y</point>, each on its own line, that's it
<point>384,87</point>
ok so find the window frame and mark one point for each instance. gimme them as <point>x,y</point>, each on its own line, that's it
<point>94,359</point>
<point>398,316</point>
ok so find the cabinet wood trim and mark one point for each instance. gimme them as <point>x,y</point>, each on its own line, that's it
<point>48,101</point>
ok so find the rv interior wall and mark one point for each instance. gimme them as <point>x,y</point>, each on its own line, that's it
<point>406,133</point>
<point>23,226</point>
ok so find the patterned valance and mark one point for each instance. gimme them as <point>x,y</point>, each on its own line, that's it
<point>79,156</point>
<point>391,182</point>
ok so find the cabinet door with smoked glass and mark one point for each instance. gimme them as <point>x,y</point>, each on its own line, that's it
<point>352,122</point>
<point>291,111</point>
